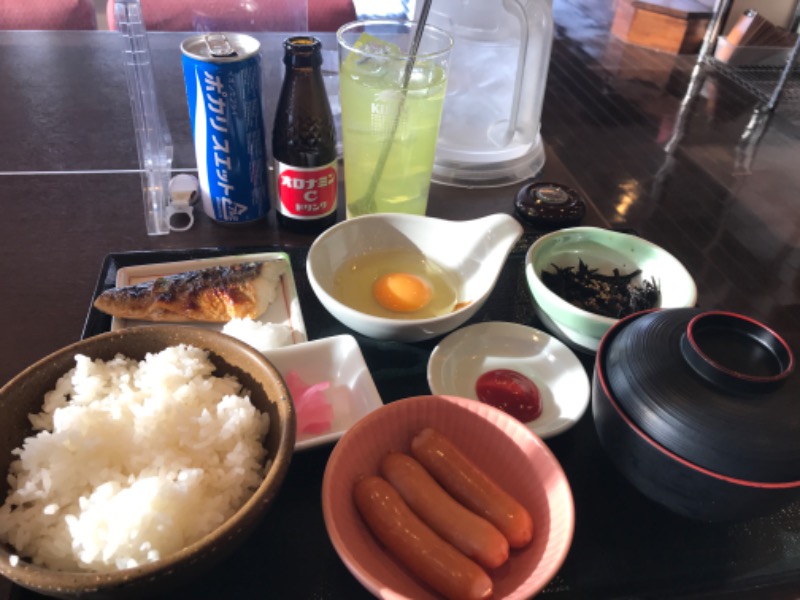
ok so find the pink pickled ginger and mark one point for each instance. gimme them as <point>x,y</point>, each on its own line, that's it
<point>314,412</point>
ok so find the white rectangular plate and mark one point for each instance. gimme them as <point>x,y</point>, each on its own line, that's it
<point>339,361</point>
<point>284,311</point>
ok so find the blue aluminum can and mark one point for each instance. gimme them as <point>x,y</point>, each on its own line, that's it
<point>222,72</point>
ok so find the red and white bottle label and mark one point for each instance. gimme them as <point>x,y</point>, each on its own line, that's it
<point>306,193</point>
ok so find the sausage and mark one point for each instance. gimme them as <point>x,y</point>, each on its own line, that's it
<point>471,534</point>
<point>472,487</point>
<point>416,545</point>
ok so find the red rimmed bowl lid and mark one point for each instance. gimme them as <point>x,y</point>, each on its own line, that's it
<point>706,385</point>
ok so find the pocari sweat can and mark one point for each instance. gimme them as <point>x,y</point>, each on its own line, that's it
<point>222,72</point>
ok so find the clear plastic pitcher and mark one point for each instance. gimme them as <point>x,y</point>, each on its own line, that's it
<point>489,134</point>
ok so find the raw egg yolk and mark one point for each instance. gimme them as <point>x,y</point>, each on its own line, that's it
<point>402,292</point>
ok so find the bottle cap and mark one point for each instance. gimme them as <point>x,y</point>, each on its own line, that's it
<point>548,204</point>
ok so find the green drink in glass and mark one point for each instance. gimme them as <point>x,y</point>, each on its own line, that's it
<point>391,109</point>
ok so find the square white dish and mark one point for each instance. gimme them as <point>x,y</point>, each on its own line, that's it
<point>284,311</point>
<point>338,360</point>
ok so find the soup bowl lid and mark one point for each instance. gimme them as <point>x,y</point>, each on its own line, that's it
<point>708,387</point>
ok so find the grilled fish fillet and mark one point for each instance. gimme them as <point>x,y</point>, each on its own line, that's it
<point>214,294</point>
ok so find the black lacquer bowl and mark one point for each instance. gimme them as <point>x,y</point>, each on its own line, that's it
<point>688,405</point>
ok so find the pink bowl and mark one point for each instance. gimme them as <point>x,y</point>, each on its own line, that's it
<point>516,458</point>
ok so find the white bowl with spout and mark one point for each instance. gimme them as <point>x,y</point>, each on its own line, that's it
<point>473,251</point>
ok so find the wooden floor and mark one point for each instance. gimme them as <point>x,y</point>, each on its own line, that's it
<point>613,115</point>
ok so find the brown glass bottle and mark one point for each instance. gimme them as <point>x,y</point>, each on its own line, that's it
<point>304,142</point>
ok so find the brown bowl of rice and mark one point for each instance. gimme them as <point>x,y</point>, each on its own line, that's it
<point>134,460</point>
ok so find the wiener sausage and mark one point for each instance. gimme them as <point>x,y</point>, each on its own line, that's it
<point>416,545</point>
<point>471,534</point>
<point>472,487</point>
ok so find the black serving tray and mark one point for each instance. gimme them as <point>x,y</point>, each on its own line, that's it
<point>625,546</point>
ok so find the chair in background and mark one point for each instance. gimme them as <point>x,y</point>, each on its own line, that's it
<point>47,14</point>
<point>242,15</point>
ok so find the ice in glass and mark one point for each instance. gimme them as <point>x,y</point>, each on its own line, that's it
<point>391,110</point>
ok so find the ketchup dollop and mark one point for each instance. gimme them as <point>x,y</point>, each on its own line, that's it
<point>511,392</point>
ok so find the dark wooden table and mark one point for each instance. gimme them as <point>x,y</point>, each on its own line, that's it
<point>70,196</point>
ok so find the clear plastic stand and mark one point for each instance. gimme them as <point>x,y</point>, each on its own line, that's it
<point>153,138</point>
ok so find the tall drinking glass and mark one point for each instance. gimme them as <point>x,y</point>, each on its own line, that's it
<point>391,108</point>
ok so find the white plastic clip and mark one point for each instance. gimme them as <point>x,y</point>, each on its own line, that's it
<point>183,193</point>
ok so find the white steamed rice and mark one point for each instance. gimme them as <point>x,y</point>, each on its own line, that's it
<point>261,336</point>
<point>134,461</point>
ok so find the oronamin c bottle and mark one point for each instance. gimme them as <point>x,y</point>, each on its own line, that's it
<point>304,142</point>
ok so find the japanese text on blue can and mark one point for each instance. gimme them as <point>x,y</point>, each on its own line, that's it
<point>220,143</point>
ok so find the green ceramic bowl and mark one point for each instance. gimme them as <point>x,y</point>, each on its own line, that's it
<point>604,250</point>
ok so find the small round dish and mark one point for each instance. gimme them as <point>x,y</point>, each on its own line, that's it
<point>463,356</point>
<point>549,205</point>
